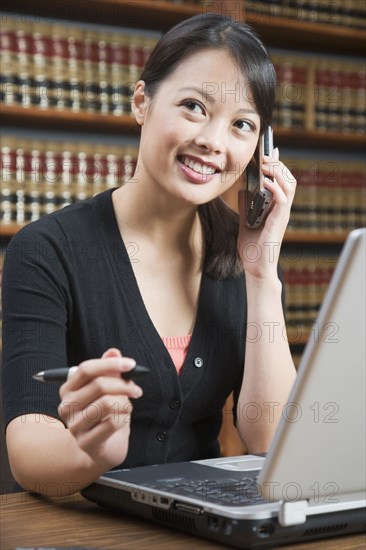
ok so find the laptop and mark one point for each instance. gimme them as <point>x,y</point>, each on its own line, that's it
<point>311,484</point>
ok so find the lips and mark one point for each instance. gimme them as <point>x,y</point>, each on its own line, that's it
<point>196,165</point>
<point>196,170</point>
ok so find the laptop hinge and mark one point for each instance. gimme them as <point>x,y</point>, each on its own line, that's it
<point>292,513</point>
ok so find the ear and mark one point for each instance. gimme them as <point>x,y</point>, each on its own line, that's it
<point>139,102</point>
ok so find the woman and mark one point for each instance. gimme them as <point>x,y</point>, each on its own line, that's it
<point>157,264</point>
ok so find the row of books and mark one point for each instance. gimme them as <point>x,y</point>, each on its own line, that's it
<point>39,177</point>
<point>306,281</point>
<point>330,194</point>
<point>51,66</point>
<point>347,13</point>
<point>323,94</point>
<point>69,67</point>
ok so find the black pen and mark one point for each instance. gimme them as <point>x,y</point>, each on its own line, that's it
<point>62,374</point>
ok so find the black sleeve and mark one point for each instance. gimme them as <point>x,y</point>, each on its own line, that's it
<point>36,303</point>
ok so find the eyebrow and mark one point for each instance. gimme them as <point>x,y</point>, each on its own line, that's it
<point>210,99</point>
<point>199,91</point>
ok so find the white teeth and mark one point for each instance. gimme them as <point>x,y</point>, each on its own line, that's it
<point>198,167</point>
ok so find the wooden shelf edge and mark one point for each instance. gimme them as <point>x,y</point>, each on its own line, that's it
<point>324,237</point>
<point>340,39</point>
<point>84,121</point>
<point>299,340</point>
<point>60,120</point>
<point>163,15</point>
<point>120,13</point>
<point>8,230</point>
<point>312,138</point>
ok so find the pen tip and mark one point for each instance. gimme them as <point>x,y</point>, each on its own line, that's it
<point>38,376</point>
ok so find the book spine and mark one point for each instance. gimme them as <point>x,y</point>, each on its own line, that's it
<point>39,177</point>
<point>75,69</point>
<point>119,75</point>
<point>8,182</point>
<point>291,91</point>
<point>91,99</point>
<point>360,127</point>
<point>50,157</point>
<point>330,195</point>
<point>104,72</point>
<point>9,63</point>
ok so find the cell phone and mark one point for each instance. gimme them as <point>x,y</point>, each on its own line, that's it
<point>259,199</point>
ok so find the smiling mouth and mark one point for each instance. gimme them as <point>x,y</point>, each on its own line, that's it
<point>199,167</point>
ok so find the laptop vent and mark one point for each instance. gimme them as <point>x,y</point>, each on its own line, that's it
<point>174,519</point>
<point>326,529</point>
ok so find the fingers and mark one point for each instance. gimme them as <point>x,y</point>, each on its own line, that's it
<point>97,383</point>
<point>114,413</point>
<point>283,185</point>
<point>97,389</point>
<point>95,438</point>
<point>92,368</point>
<point>112,352</point>
<point>242,207</point>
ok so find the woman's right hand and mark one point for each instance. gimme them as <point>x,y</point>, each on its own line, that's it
<point>96,407</point>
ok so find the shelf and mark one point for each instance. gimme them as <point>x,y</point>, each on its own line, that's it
<point>290,237</point>
<point>307,36</point>
<point>299,35</point>
<point>323,237</point>
<point>9,230</point>
<point>295,339</point>
<point>323,140</point>
<point>53,119</point>
<point>145,14</point>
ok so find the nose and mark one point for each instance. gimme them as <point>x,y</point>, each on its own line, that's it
<point>211,137</point>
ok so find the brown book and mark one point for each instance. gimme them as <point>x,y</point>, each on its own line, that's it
<point>8,180</point>
<point>68,173</point>
<point>9,62</point>
<point>91,78</point>
<point>360,105</point>
<point>321,96</point>
<point>50,154</point>
<point>334,93</point>
<point>75,68</point>
<point>292,76</point>
<point>119,75</point>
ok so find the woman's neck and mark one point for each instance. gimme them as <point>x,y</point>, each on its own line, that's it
<point>162,221</point>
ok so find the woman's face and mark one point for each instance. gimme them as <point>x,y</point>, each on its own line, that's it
<point>200,129</point>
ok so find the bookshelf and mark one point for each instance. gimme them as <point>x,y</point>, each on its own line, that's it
<point>291,237</point>
<point>15,116</point>
<point>278,30</point>
<point>161,15</point>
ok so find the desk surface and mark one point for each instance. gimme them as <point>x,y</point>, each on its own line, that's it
<point>33,521</point>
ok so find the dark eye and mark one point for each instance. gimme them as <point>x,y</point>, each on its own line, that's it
<point>245,125</point>
<point>194,106</point>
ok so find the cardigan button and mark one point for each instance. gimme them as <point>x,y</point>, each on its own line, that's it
<point>174,404</point>
<point>198,362</point>
<point>160,436</point>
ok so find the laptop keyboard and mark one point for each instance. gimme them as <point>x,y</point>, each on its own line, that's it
<point>234,492</point>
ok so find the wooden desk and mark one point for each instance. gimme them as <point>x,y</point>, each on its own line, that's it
<point>34,521</point>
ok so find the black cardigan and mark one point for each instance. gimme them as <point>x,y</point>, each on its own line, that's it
<point>69,293</point>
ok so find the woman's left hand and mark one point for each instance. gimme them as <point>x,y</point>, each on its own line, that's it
<point>259,248</point>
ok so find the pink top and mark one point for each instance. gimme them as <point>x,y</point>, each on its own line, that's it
<point>177,347</point>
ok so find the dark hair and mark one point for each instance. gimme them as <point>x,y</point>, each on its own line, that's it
<point>207,31</point>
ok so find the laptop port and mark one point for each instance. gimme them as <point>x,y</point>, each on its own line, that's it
<point>191,508</point>
<point>264,530</point>
<point>213,523</point>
